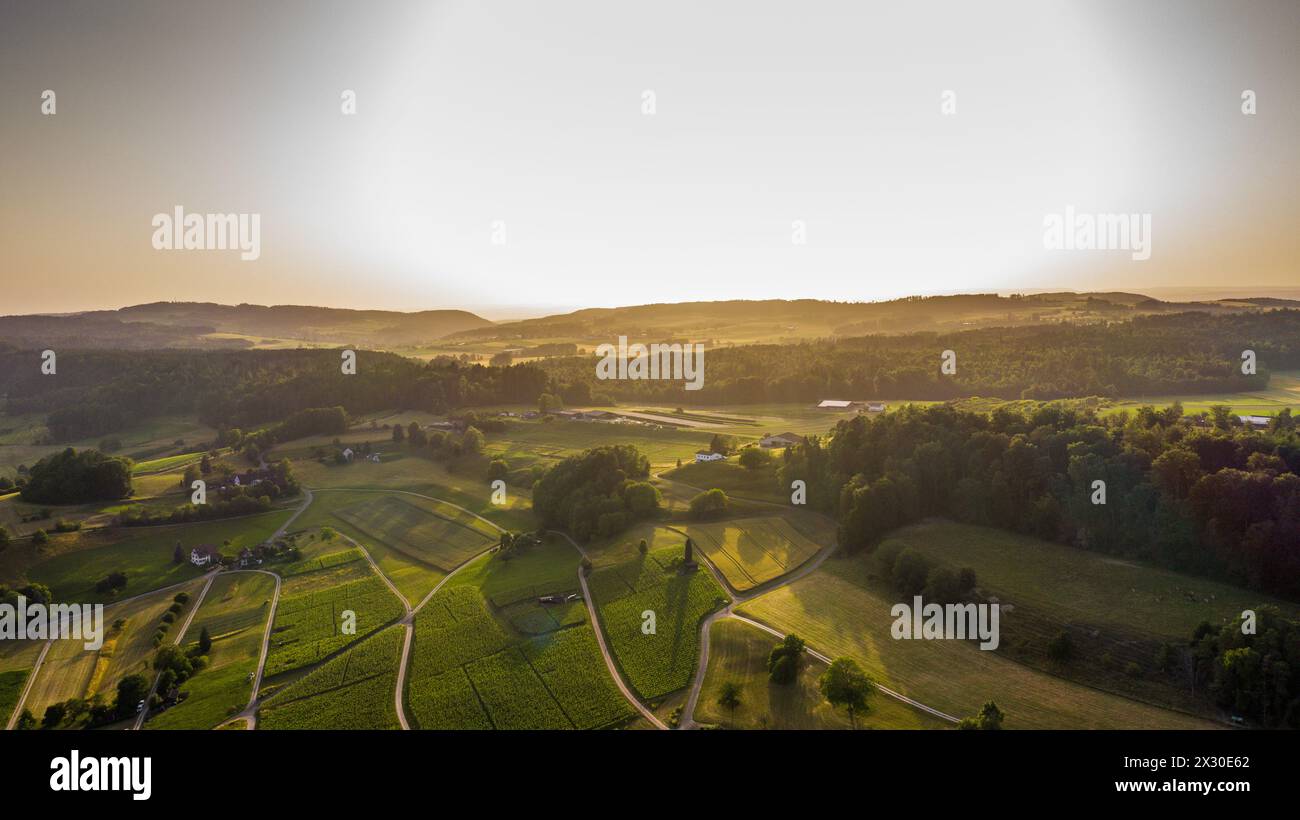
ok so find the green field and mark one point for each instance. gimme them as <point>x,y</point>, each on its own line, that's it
<point>71,564</point>
<point>152,439</point>
<point>403,470</point>
<point>738,653</point>
<point>309,618</point>
<point>528,443</point>
<point>1079,586</point>
<point>1283,391</point>
<point>424,533</point>
<point>750,552</point>
<point>70,671</point>
<point>234,612</point>
<point>409,537</point>
<point>843,609</point>
<point>351,691</point>
<point>516,664</point>
<point>730,477</point>
<point>663,662</point>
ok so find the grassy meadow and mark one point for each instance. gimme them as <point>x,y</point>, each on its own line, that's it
<point>738,654</point>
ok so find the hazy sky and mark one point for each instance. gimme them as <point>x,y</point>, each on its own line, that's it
<point>527,118</point>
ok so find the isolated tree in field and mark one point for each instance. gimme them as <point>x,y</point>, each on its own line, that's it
<point>1061,648</point>
<point>398,433</point>
<point>688,552</point>
<point>205,641</point>
<point>191,475</point>
<point>709,503</point>
<point>130,690</point>
<point>205,464</point>
<point>783,660</point>
<point>54,714</point>
<point>178,554</point>
<point>989,719</point>
<point>729,697</point>
<point>26,720</point>
<point>472,442</point>
<point>40,538</point>
<point>327,533</point>
<point>845,684</point>
<point>498,470</point>
<point>720,444</point>
<point>755,458</point>
<point>911,571</point>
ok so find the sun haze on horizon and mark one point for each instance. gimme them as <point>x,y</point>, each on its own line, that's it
<point>526,158</point>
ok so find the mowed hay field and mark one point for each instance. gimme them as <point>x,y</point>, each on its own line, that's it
<point>151,439</point>
<point>410,537</point>
<point>436,534</point>
<point>406,471</point>
<point>1078,586</point>
<point>234,612</point>
<point>72,671</point>
<point>752,551</point>
<point>841,609</point>
<point>354,690</point>
<point>487,655</point>
<point>71,564</point>
<point>547,442</point>
<point>309,624</point>
<point>738,653</point>
<point>663,662</point>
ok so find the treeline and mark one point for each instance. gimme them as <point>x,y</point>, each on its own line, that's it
<point>1217,500</point>
<point>1180,353</point>
<point>598,493</point>
<point>98,392</point>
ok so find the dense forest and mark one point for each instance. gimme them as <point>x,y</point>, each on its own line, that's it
<point>1183,353</point>
<point>97,392</point>
<point>599,492</point>
<point>1217,500</point>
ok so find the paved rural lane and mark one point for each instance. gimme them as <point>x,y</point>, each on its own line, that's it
<point>604,649</point>
<point>408,619</point>
<point>180,636</point>
<point>249,715</point>
<point>738,598</point>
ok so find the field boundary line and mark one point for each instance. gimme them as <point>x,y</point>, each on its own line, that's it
<point>180,638</point>
<point>31,678</point>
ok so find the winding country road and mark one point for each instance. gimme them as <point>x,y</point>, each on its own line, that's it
<point>408,621</point>
<point>738,598</point>
<point>604,649</point>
